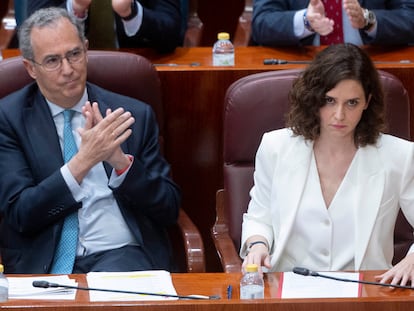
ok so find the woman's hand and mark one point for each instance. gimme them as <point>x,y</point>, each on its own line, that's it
<point>401,274</point>
<point>257,254</point>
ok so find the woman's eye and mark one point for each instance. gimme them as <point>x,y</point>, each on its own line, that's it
<point>329,100</point>
<point>353,102</point>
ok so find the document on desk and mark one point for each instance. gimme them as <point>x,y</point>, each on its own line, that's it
<point>298,286</point>
<point>22,288</point>
<point>157,281</point>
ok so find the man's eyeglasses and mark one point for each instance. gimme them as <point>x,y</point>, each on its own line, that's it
<point>54,62</point>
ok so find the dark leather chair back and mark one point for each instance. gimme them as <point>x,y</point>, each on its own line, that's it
<point>256,104</point>
<point>134,76</point>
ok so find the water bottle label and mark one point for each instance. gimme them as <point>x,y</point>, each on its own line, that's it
<point>251,292</point>
<point>223,59</point>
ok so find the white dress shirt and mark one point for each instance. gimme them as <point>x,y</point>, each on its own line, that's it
<point>322,239</point>
<point>101,224</point>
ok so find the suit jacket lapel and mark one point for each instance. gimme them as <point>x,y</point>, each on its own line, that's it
<point>44,140</point>
<point>371,181</point>
<point>298,160</point>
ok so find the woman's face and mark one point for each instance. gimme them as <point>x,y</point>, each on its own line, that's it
<point>343,108</point>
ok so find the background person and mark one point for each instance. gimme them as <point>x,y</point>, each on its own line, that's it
<point>301,22</point>
<point>154,24</point>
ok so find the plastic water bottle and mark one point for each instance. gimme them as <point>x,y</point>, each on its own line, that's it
<point>4,285</point>
<point>223,50</point>
<point>251,284</point>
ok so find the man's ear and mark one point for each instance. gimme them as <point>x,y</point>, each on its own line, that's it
<point>30,68</point>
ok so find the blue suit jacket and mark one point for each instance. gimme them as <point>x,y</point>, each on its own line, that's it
<point>34,198</point>
<point>272,23</point>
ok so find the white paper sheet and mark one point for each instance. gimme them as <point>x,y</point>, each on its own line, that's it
<point>299,286</point>
<point>22,288</point>
<point>158,281</point>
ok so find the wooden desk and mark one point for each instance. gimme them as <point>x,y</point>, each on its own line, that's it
<point>193,98</point>
<point>372,298</point>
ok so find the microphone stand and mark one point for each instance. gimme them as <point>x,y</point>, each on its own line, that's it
<point>45,284</point>
<point>362,281</point>
<point>307,272</point>
<point>276,61</point>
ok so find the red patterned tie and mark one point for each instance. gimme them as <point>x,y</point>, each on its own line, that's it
<point>333,10</point>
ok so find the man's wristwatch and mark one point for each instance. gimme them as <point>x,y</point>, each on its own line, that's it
<point>306,22</point>
<point>370,19</point>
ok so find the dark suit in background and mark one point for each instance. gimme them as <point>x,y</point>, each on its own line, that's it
<point>272,22</point>
<point>162,25</point>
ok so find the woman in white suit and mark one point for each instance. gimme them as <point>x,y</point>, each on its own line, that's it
<point>328,187</point>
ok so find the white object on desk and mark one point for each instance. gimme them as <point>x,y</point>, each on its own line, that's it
<point>157,281</point>
<point>22,288</point>
<point>299,286</point>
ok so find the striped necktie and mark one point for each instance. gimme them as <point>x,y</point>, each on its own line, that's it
<point>66,249</point>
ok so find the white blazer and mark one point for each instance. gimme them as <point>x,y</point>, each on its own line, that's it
<point>386,182</point>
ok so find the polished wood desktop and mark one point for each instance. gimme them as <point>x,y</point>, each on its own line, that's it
<point>215,284</point>
<point>193,94</point>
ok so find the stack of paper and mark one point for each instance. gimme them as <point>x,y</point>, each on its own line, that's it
<point>22,288</point>
<point>299,286</point>
<point>158,282</point>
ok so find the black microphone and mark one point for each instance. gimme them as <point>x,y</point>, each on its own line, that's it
<point>306,272</point>
<point>277,61</point>
<point>46,284</point>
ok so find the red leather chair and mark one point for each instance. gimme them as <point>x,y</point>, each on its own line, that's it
<point>256,104</point>
<point>131,75</point>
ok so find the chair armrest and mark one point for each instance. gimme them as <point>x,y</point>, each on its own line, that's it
<point>193,243</point>
<point>229,258</point>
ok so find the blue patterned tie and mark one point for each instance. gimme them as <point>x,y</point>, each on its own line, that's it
<point>66,250</point>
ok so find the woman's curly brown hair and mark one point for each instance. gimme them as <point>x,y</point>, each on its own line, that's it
<point>330,66</point>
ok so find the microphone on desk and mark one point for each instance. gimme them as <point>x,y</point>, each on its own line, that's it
<point>307,272</point>
<point>46,284</point>
<point>276,61</point>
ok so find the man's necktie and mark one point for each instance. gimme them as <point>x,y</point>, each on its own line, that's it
<point>333,10</point>
<point>66,250</point>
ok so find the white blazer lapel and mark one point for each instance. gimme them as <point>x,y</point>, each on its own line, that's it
<point>371,178</point>
<point>289,184</point>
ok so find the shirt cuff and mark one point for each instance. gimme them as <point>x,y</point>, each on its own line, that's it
<point>134,24</point>
<point>372,33</point>
<point>69,7</point>
<point>116,179</point>
<point>77,192</point>
<point>299,28</point>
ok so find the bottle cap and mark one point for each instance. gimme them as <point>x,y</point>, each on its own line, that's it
<point>252,268</point>
<point>223,36</point>
<point>1,268</point>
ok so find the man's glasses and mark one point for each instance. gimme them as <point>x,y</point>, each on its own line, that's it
<point>54,62</point>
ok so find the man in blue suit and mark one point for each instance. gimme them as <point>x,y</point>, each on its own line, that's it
<point>117,183</point>
<point>302,22</point>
